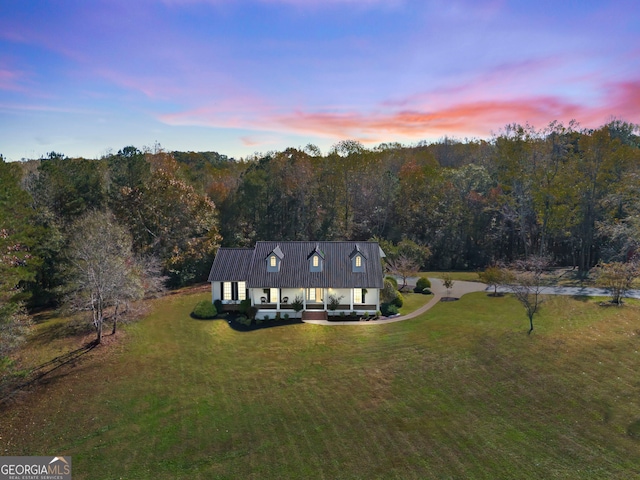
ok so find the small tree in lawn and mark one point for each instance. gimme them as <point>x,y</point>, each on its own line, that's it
<point>448,282</point>
<point>527,285</point>
<point>617,277</point>
<point>298,304</point>
<point>494,276</point>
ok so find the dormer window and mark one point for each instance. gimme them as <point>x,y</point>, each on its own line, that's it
<point>316,259</point>
<point>274,260</point>
<point>357,260</point>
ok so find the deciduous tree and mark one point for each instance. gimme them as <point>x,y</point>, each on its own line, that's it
<point>617,277</point>
<point>528,284</point>
<point>102,270</point>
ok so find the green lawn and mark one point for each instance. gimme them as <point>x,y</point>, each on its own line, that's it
<point>463,276</point>
<point>413,301</point>
<point>461,392</point>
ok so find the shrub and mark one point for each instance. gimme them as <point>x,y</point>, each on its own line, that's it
<point>204,310</point>
<point>398,301</point>
<point>389,292</point>
<point>218,305</point>
<point>298,303</point>
<point>242,320</point>
<point>251,312</point>
<point>393,281</point>
<point>277,315</point>
<point>333,303</point>
<point>388,309</point>
<point>342,314</point>
<point>266,318</point>
<point>244,306</point>
<point>427,291</point>
<point>286,316</point>
<point>422,283</point>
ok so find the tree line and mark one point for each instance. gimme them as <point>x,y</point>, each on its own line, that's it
<point>562,192</point>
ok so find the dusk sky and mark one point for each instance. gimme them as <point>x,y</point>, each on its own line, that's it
<point>242,76</point>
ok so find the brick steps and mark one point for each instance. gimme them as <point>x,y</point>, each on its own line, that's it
<point>314,315</point>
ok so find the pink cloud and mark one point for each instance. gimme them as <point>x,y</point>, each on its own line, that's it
<point>416,118</point>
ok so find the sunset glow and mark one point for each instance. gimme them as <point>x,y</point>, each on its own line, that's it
<point>240,76</point>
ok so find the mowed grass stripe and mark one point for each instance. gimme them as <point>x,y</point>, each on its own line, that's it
<point>461,392</point>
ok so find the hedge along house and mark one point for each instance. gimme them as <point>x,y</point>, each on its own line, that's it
<point>273,274</point>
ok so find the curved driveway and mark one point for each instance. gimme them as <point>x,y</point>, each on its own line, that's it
<point>461,288</point>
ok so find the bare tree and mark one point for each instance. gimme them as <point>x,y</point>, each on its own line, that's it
<point>527,284</point>
<point>103,272</point>
<point>404,267</point>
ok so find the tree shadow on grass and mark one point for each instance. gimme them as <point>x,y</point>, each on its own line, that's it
<point>44,373</point>
<point>61,330</point>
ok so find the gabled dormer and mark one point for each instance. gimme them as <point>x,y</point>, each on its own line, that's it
<point>274,259</point>
<point>357,260</point>
<point>316,259</point>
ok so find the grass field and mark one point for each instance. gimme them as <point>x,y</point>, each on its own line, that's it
<point>461,392</point>
<point>464,276</point>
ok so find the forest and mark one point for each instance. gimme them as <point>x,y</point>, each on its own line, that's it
<point>564,192</point>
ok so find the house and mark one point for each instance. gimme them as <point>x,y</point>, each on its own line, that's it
<point>273,274</point>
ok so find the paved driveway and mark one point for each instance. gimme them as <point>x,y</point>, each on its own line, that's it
<point>461,288</point>
<point>576,291</point>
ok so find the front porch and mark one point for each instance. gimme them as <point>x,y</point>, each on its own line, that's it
<point>271,301</point>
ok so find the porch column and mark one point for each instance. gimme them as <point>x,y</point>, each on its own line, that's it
<point>304,299</point>
<point>352,293</point>
<point>278,299</point>
<point>324,298</point>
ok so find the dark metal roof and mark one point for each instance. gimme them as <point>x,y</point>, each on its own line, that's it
<point>251,265</point>
<point>231,265</point>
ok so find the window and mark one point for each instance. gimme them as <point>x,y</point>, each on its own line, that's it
<point>272,261</point>
<point>316,261</point>
<point>273,295</point>
<point>314,295</point>
<point>234,291</point>
<point>226,291</point>
<point>357,295</point>
<point>358,261</point>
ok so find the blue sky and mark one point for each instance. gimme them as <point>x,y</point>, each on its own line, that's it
<point>244,76</point>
